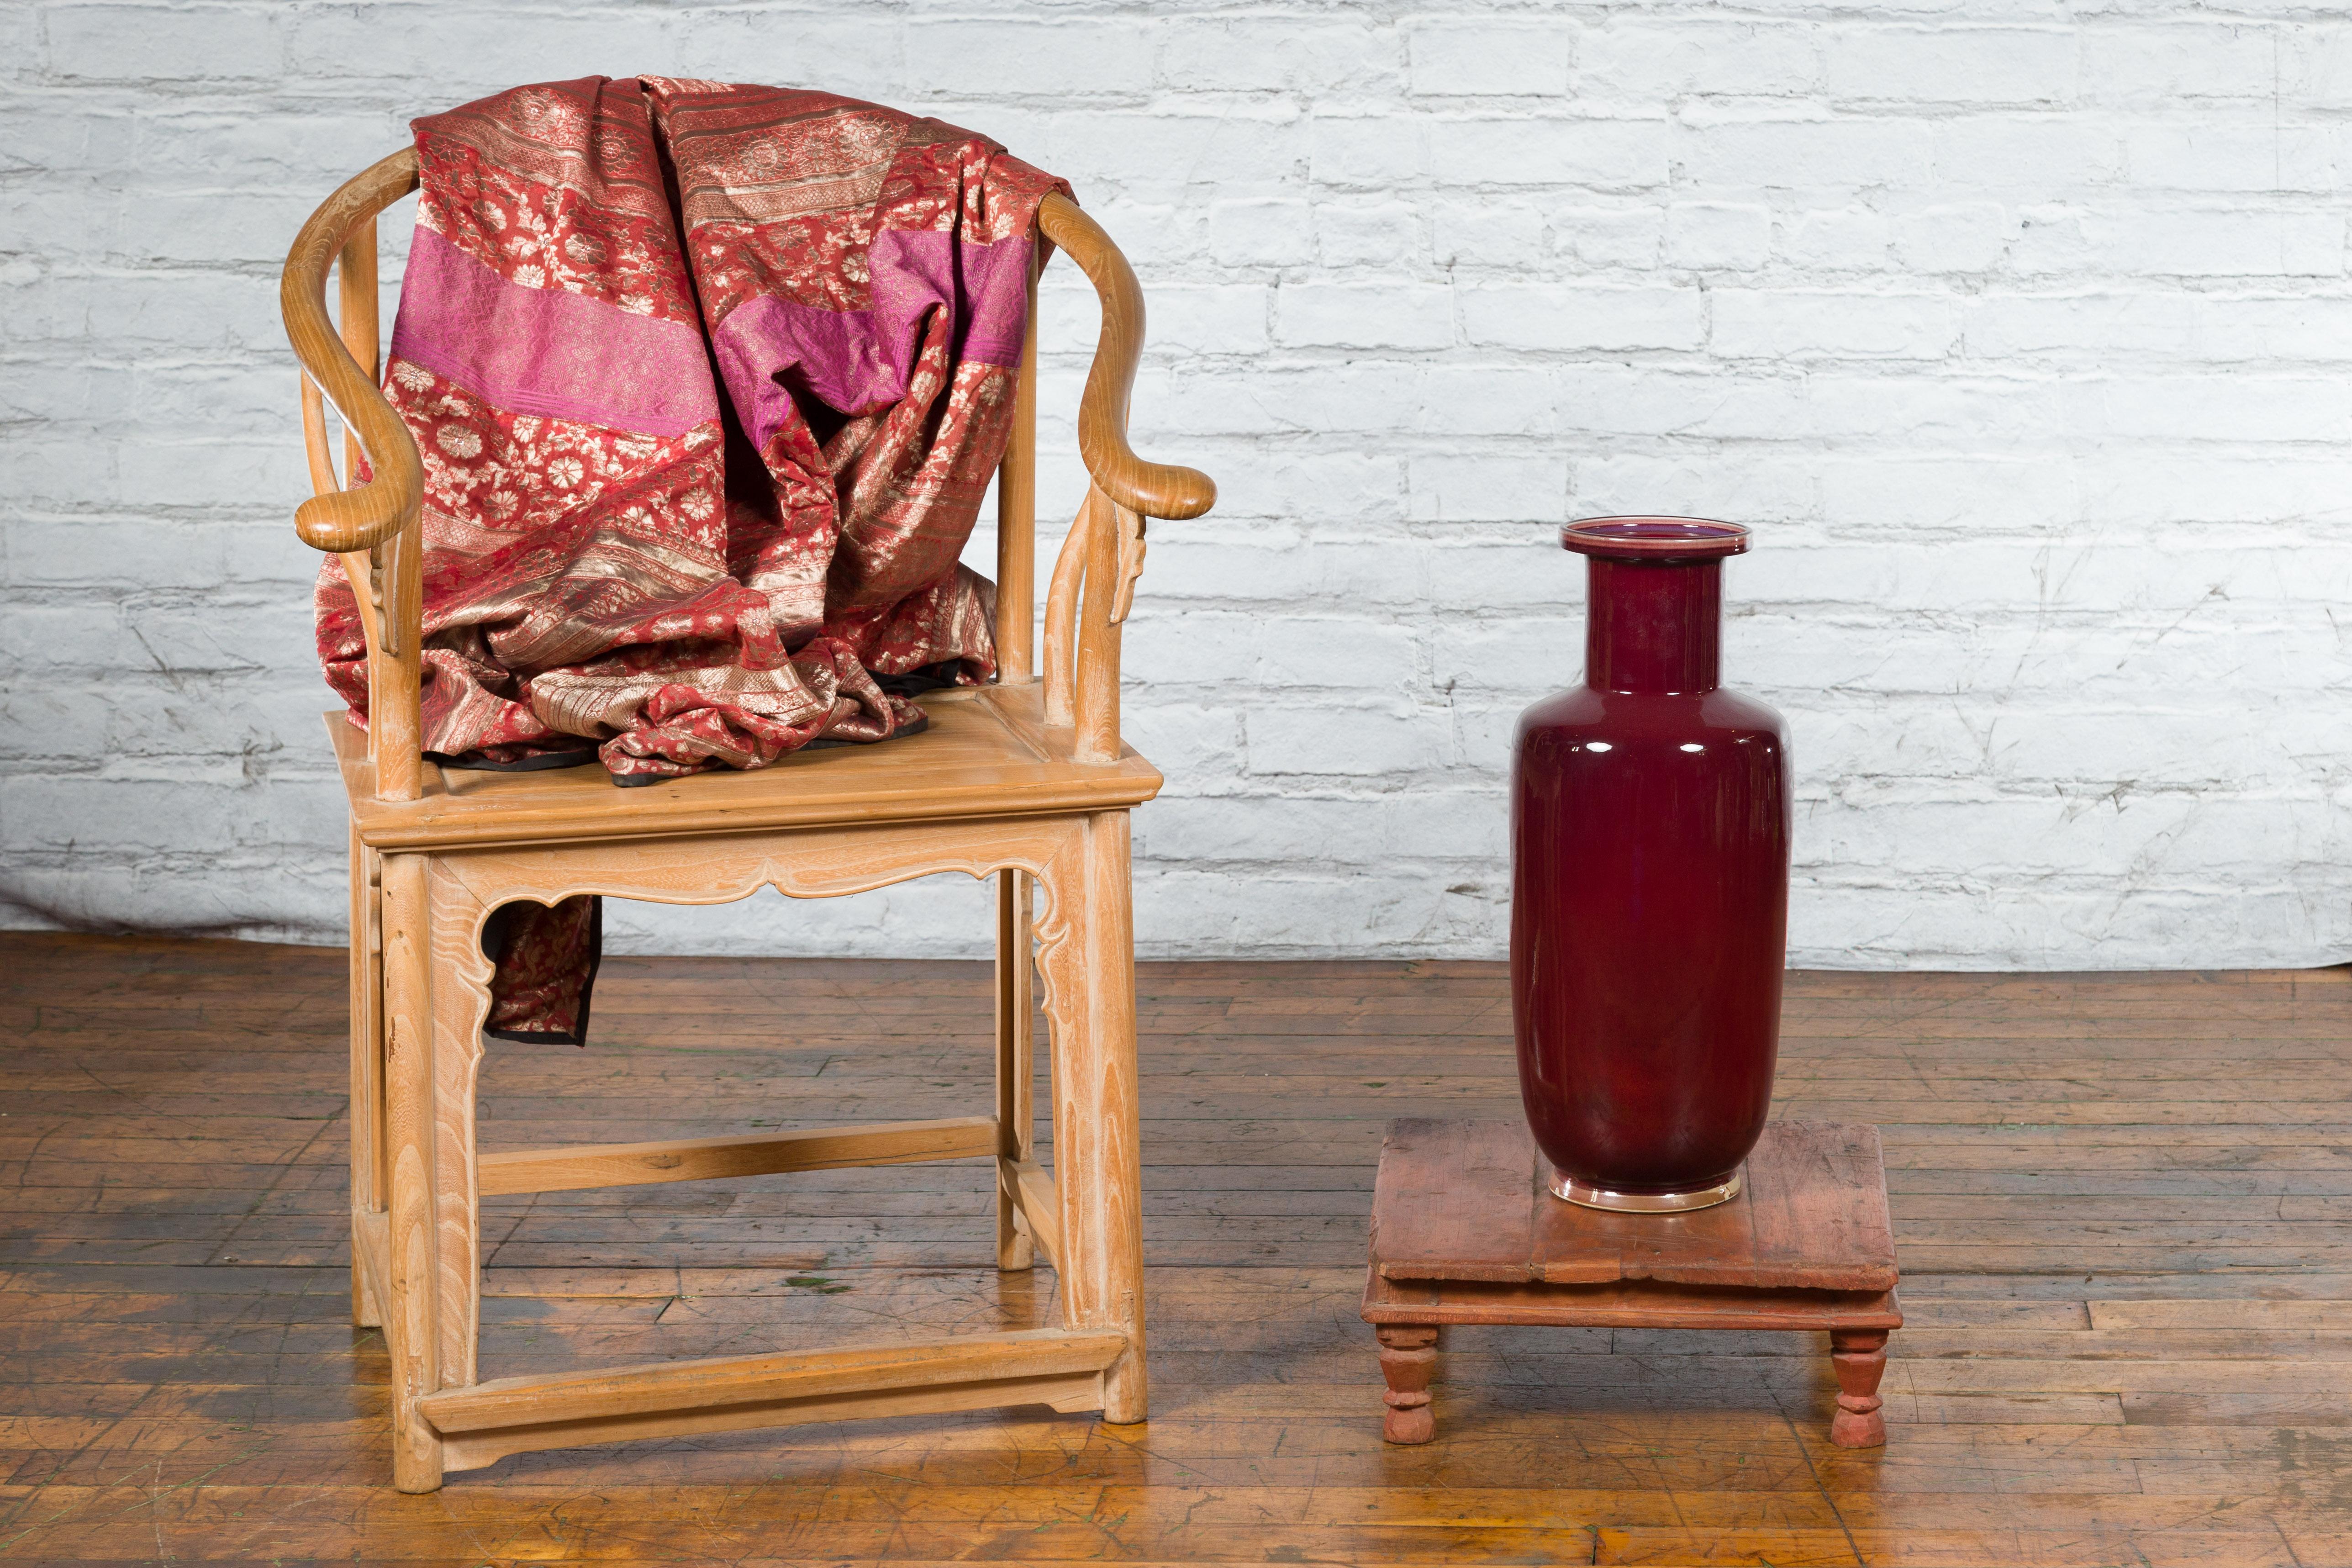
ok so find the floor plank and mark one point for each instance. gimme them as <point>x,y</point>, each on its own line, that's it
<point>2123,1205</point>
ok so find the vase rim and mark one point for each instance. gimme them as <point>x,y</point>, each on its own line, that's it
<point>1654,538</point>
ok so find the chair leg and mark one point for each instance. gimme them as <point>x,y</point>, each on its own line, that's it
<point>1016,1064</point>
<point>1097,1164</point>
<point>411,1317</point>
<point>366,1107</point>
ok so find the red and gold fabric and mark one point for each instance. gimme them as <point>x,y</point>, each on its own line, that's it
<point>710,381</point>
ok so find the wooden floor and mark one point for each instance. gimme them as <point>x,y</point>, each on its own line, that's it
<point>2125,1206</point>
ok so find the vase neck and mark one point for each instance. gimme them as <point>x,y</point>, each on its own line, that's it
<point>1653,625</point>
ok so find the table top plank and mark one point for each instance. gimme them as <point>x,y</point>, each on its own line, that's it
<point>1452,1190</point>
<point>1624,1304</point>
<point>1467,1201</point>
<point>1818,1203</point>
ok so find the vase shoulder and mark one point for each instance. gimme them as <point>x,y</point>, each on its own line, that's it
<point>1584,713</point>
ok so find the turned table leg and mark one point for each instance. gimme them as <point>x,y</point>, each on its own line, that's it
<point>1408,1356</point>
<point>1860,1357</point>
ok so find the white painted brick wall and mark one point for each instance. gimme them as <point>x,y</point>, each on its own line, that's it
<point>2019,330</point>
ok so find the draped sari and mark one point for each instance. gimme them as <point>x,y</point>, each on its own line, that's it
<point>709,381</point>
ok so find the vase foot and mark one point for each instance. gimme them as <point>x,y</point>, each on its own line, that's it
<point>1567,1186</point>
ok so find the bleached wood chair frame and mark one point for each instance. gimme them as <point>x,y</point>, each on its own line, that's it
<point>1025,781</point>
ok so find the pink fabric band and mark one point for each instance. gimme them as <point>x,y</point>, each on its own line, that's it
<point>546,351</point>
<point>858,360</point>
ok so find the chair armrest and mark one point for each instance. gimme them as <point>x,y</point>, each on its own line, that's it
<point>1154,490</point>
<point>366,515</point>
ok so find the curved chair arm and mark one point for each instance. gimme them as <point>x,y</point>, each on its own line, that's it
<point>365,516</point>
<point>1154,490</point>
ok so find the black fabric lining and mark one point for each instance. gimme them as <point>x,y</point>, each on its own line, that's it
<point>474,762</point>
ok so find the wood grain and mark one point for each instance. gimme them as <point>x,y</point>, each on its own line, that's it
<point>1154,490</point>
<point>1466,1200</point>
<point>753,1154</point>
<point>987,752</point>
<point>2126,1340</point>
<point>1016,1064</point>
<point>376,526</point>
<point>437,905</point>
<point>1016,514</point>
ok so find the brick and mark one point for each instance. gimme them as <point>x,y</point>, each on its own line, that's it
<point>2025,157</point>
<point>1711,235</point>
<point>463,52</point>
<point>1538,317</point>
<point>1154,235</point>
<point>1520,568</point>
<point>1778,324</point>
<point>1192,647</point>
<point>156,43</point>
<point>1364,315</point>
<point>1957,236</point>
<point>1645,58</point>
<point>1255,147</point>
<point>1367,151</point>
<point>1018,57</point>
<point>2165,486</point>
<point>1210,319</point>
<point>1348,742</point>
<point>1464,400</point>
<point>1381,235</point>
<point>1603,154</point>
<point>1947,408</point>
<point>1802,155</point>
<point>2313,64</point>
<point>1894,493</point>
<point>44,724</point>
<point>53,133</point>
<point>1487,232</point>
<point>1627,399</point>
<point>1950,65</point>
<point>866,51</point>
<point>1488,488</point>
<point>2199,327</point>
<point>1189,742</point>
<point>2212,407</point>
<point>1836,239</point>
<point>1290,483</point>
<point>1357,395</point>
<point>1272,233</point>
<point>1237,54</point>
<point>1764,490</point>
<point>1224,830</point>
<point>1286,571</point>
<point>1300,651</point>
<point>1610,236</point>
<point>2250,155</point>
<point>2160,62</point>
<point>1461,57</point>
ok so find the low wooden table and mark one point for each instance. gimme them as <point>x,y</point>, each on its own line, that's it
<point>1464,1231</point>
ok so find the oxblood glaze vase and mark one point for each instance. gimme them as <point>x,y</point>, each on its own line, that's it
<point>1650,815</point>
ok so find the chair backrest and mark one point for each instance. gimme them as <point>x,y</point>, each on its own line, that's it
<point>376,528</point>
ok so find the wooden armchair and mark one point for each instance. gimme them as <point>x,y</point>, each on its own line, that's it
<point>1025,780</point>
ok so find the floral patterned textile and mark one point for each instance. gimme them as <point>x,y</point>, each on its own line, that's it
<point>710,381</point>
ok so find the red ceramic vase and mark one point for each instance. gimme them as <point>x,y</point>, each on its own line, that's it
<point>1650,813</point>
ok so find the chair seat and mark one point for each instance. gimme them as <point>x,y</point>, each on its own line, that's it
<point>986,753</point>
